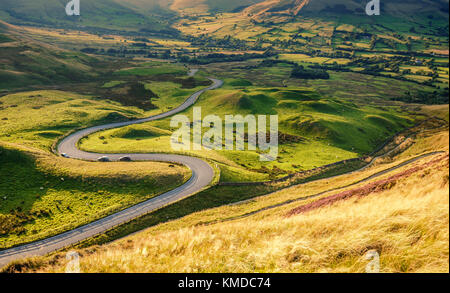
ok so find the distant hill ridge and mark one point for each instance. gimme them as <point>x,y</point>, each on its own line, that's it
<point>24,61</point>
<point>158,16</point>
<point>391,7</point>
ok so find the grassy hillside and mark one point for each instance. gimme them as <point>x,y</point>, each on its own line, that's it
<point>195,7</point>
<point>229,5</point>
<point>402,215</point>
<point>404,9</point>
<point>342,7</point>
<point>97,13</point>
<point>59,194</point>
<point>374,74</point>
<point>157,16</point>
<point>26,120</point>
<point>314,131</point>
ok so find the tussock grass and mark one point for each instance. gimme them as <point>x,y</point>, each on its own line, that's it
<point>406,224</point>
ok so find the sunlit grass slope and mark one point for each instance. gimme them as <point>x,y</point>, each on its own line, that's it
<point>404,218</point>
<point>38,118</point>
<point>42,195</point>
<point>28,62</point>
<point>95,15</point>
<point>406,223</point>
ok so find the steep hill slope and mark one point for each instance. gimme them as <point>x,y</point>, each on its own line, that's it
<point>391,7</point>
<point>46,205</point>
<point>96,15</point>
<point>204,6</point>
<point>403,218</point>
<point>25,62</point>
<point>157,16</point>
<point>151,16</point>
<point>407,8</point>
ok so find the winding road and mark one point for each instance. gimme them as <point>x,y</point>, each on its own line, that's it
<point>202,176</point>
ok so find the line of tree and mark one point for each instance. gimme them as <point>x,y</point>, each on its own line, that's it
<point>423,97</point>
<point>219,57</point>
<point>300,71</point>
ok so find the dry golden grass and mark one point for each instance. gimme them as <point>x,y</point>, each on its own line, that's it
<point>71,192</point>
<point>407,224</point>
